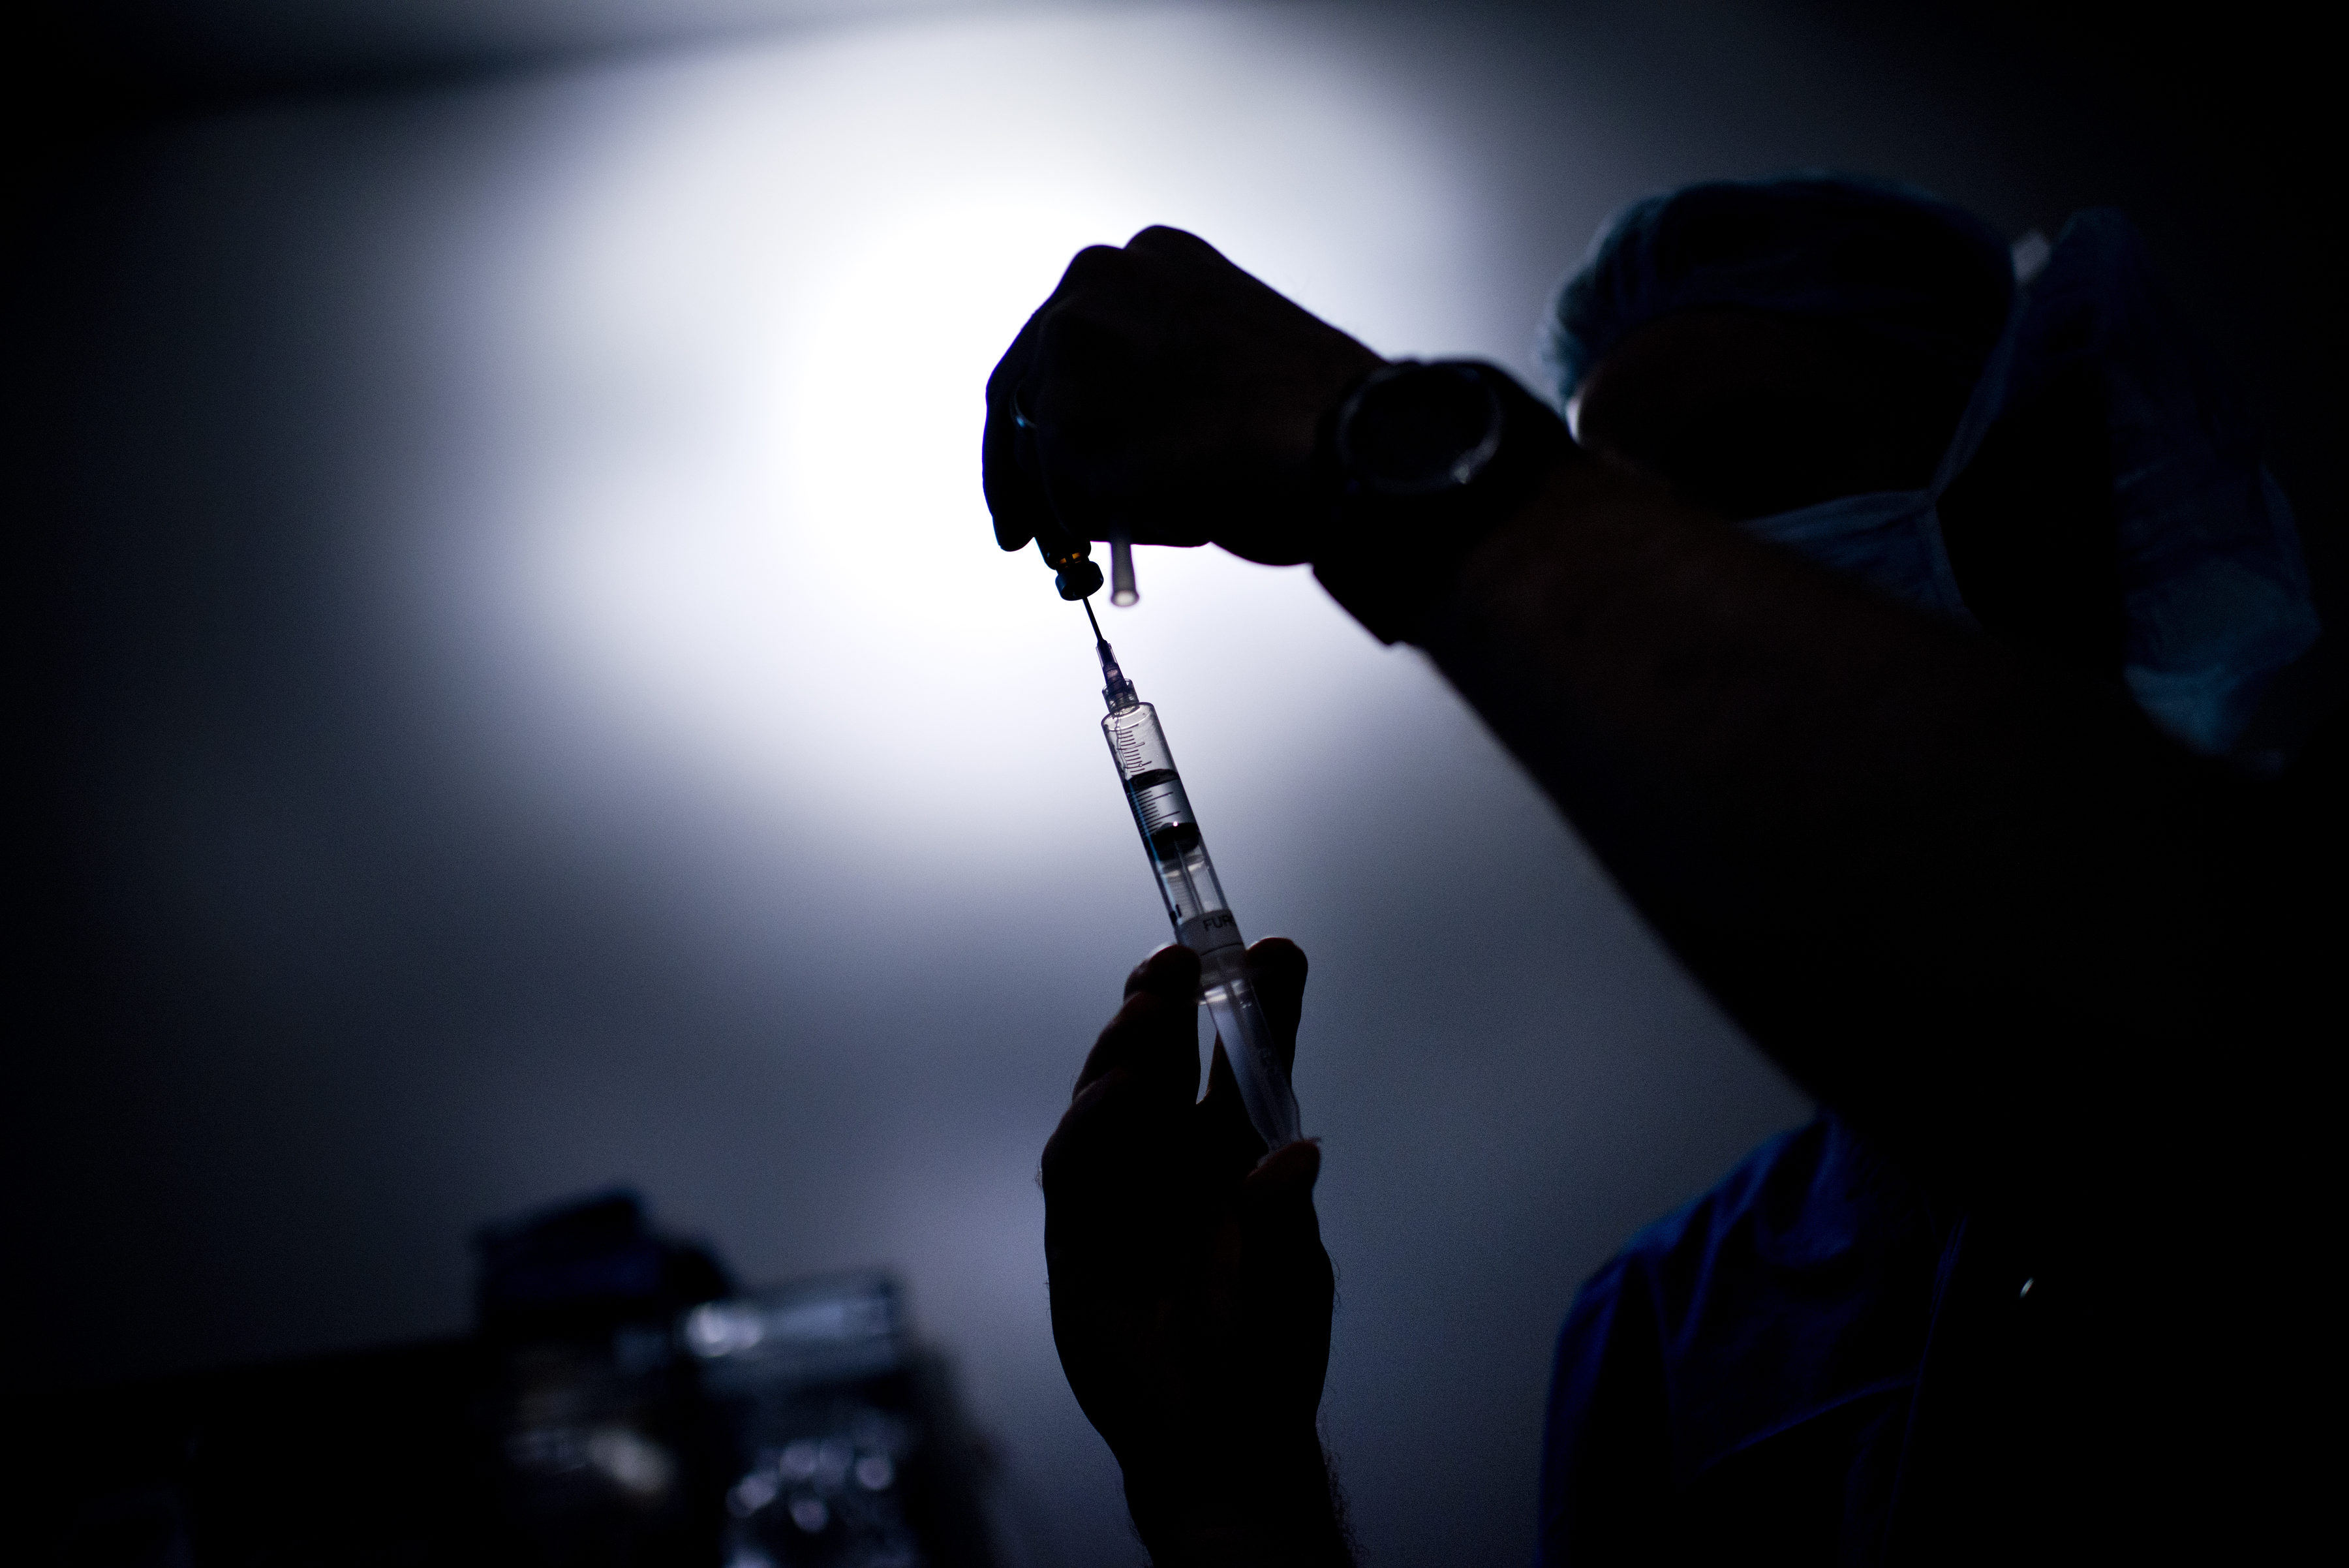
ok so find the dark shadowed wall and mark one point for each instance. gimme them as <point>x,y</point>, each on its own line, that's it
<point>523,696</point>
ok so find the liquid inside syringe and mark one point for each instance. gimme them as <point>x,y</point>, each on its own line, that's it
<point>1203,921</point>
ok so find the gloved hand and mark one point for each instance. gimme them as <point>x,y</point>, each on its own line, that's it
<point>1164,389</point>
<point>1191,1295</point>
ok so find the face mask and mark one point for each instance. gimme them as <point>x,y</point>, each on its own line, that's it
<point>1891,539</point>
<point>2214,589</point>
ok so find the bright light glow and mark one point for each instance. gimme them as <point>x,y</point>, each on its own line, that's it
<point>738,358</point>
<point>632,1461</point>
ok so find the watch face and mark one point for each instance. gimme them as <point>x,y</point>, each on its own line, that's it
<point>1418,430</point>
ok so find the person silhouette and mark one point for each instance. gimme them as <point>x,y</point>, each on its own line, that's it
<point>1898,617</point>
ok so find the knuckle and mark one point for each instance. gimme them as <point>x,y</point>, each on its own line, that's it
<point>1166,239</point>
<point>1052,1170</point>
<point>1072,339</point>
<point>1093,265</point>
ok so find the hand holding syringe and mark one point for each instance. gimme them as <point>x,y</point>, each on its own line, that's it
<point>1203,921</point>
<point>1191,1294</point>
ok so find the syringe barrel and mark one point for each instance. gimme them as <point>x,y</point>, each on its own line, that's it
<point>1203,921</point>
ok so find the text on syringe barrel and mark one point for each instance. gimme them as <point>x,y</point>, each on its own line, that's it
<point>1163,812</point>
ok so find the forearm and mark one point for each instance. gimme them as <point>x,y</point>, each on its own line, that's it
<point>1919,870</point>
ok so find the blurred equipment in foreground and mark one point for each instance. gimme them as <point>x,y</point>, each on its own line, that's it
<point>620,1406</point>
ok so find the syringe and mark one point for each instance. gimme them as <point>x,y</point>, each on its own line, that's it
<point>1195,899</point>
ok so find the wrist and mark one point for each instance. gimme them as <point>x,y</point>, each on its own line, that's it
<point>1416,466</point>
<point>1256,1510</point>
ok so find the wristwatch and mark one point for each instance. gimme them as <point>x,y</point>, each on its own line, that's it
<point>1416,466</point>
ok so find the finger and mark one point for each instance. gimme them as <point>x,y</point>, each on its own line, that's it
<point>1113,1148</point>
<point>1160,241</point>
<point>1044,434</point>
<point>1156,1030</point>
<point>1280,1230</point>
<point>1015,495</point>
<point>1117,1164</point>
<point>1172,970</point>
<point>1012,463</point>
<point>1087,405</point>
<point>1291,1165</point>
<point>1278,967</point>
<point>1228,1143</point>
<point>1285,1270</point>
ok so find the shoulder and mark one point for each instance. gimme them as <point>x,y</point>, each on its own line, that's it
<point>1803,1196</point>
<point>1664,1270</point>
<point>1800,1279</point>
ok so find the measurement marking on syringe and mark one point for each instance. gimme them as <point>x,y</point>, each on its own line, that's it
<point>1193,899</point>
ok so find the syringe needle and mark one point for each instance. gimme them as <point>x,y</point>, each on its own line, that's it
<point>1088,602</point>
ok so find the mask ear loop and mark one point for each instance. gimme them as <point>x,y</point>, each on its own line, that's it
<point>1989,399</point>
<point>1983,409</point>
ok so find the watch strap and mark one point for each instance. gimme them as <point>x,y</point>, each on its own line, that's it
<point>1388,558</point>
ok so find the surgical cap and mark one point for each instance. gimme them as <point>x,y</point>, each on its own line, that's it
<point>1879,258</point>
